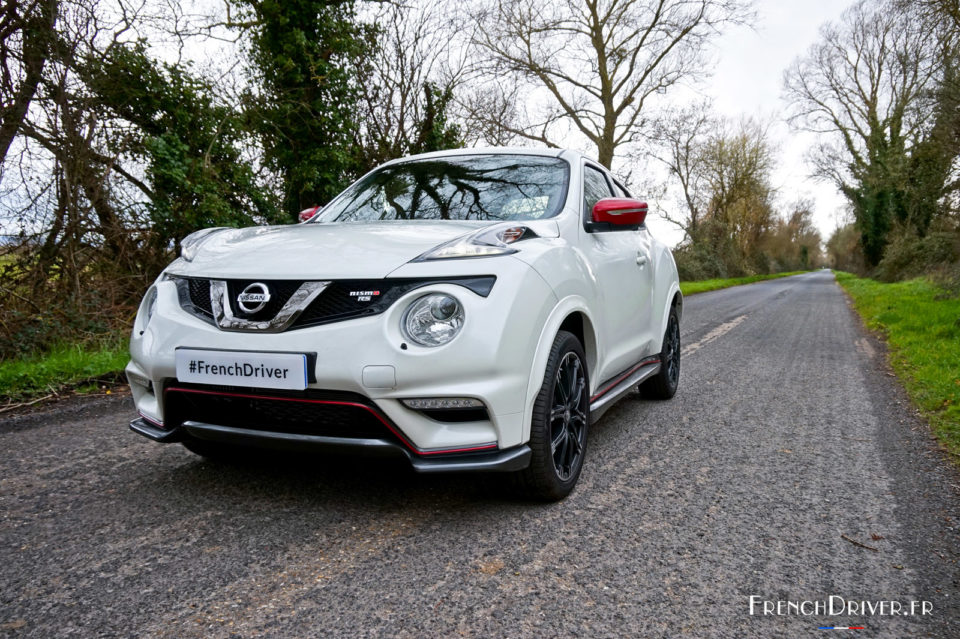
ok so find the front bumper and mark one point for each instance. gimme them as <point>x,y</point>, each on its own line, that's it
<point>513,459</point>
<point>369,357</point>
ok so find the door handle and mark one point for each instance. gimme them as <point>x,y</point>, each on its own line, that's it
<point>642,259</point>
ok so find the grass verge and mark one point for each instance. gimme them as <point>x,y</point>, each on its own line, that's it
<point>65,367</point>
<point>921,324</point>
<point>702,286</point>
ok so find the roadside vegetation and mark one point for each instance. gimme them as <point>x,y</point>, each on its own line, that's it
<point>65,369</point>
<point>921,323</point>
<point>129,127</point>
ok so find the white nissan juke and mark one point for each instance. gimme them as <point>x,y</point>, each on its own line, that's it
<point>470,310</point>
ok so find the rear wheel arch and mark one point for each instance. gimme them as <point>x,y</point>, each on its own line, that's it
<point>663,384</point>
<point>672,300</point>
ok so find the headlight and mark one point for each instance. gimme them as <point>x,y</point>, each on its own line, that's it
<point>191,243</point>
<point>485,242</point>
<point>148,306</point>
<point>433,320</point>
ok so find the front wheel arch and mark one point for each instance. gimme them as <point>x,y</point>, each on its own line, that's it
<point>560,421</point>
<point>570,311</point>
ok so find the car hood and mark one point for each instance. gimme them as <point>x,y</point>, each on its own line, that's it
<point>320,251</point>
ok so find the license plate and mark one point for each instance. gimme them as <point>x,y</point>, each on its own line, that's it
<point>242,368</point>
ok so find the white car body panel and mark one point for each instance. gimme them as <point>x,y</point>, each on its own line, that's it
<point>361,250</point>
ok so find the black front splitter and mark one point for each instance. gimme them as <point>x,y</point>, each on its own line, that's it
<point>511,459</point>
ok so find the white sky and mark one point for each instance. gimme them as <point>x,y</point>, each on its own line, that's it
<point>748,80</point>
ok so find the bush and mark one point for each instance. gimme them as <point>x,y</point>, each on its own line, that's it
<point>844,252</point>
<point>38,312</point>
<point>908,256</point>
<point>698,262</point>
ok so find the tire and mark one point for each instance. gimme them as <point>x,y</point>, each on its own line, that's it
<point>560,420</point>
<point>664,384</point>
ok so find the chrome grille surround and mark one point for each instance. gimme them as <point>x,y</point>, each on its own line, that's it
<point>226,320</point>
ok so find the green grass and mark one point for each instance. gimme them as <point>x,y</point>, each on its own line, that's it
<point>922,326</point>
<point>702,286</point>
<point>63,367</point>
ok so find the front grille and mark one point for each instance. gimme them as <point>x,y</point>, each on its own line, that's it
<point>341,300</point>
<point>280,292</point>
<point>309,412</point>
<point>345,299</point>
<point>199,291</point>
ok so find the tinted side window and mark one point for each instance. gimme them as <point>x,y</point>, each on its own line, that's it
<point>595,188</point>
<point>619,191</point>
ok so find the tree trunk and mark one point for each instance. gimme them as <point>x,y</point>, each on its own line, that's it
<point>605,149</point>
<point>37,31</point>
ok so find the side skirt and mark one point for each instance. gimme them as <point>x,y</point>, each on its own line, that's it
<point>621,385</point>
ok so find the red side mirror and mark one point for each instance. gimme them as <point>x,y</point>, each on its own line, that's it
<point>620,212</point>
<point>306,214</point>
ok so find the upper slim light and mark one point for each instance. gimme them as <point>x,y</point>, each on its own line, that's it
<point>149,305</point>
<point>486,242</point>
<point>436,403</point>
<point>190,245</point>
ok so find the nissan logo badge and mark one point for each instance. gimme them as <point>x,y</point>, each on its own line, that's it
<point>253,298</point>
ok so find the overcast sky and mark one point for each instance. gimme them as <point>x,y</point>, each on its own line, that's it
<point>749,80</point>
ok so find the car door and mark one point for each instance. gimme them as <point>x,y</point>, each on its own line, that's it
<point>622,282</point>
<point>648,318</point>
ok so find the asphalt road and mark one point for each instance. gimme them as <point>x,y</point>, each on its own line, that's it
<point>787,435</point>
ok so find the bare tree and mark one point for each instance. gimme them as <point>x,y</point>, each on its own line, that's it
<point>26,36</point>
<point>737,162</point>
<point>677,142</point>
<point>869,88</point>
<point>591,64</point>
<point>937,9</point>
<point>411,83</point>
<point>721,170</point>
<point>868,81</point>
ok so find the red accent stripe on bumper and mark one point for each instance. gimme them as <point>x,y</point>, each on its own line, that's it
<point>328,402</point>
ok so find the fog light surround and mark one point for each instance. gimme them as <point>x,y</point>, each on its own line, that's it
<point>442,403</point>
<point>140,380</point>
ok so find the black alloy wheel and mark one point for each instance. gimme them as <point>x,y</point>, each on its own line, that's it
<point>559,424</point>
<point>671,354</point>
<point>568,417</point>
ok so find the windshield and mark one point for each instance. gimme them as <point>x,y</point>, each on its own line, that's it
<point>468,187</point>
